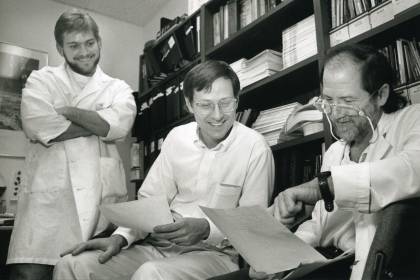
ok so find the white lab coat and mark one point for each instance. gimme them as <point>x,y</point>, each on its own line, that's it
<point>62,188</point>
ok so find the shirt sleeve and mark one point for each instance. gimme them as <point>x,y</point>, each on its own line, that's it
<point>120,114</point>
<point>258,185</point>
<point>40,121</point>
<point>370,186</point>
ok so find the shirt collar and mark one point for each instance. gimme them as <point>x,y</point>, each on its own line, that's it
<point>222,146</point>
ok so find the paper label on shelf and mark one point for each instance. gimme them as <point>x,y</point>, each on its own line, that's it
<point>171,42</point>
<point>381,15</point>
<point>339,35</point>
<point>359,26</point>
<point>402,5</point>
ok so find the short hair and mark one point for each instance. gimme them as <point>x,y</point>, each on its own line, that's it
<point>204,74</point>
<point>74,20</point>
<point>375,71</point>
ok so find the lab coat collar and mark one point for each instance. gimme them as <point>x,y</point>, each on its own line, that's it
<point>380,147</point>
<point>95,83</point>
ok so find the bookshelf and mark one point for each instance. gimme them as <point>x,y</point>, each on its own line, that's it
<point>299,158</point>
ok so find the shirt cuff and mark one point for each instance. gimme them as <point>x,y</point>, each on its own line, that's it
<point>130,235</point>
<point>215,236</point>
<point>352,186</point>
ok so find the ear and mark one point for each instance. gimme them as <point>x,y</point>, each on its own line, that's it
<point>59,49</point>
<point>383,94</point>
<point>189,106</point>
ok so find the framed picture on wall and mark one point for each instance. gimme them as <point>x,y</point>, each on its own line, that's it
<point>16,64</point>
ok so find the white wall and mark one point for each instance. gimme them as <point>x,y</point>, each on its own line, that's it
<point>30,24</point>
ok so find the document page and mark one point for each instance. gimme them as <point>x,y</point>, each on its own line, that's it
<point>266,244</point>
<point>142,214</point>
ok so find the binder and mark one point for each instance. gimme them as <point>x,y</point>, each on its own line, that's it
<point>142,123</point>
<point>158,111</point>
<point>169,54</point>
<point>188,40</point>
<point>172,104</point>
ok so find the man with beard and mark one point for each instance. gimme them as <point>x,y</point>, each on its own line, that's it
<point>214,162</point>
<point>375,162</point>
<point>72,115</point>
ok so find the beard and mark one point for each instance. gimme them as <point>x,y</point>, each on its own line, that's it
<point>80,70</point>
<point>352,130</point>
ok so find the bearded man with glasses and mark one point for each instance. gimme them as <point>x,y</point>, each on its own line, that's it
<point>375,162</point>
<point>214,162</point>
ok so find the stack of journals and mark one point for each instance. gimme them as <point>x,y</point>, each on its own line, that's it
<point>264,64</point>
<point>270,122</point>
<point>304,119</point>
<point>299,41</point>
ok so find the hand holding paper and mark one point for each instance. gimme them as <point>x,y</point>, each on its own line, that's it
<point>143,214</point>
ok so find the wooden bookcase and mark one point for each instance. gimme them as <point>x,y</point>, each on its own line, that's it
<point>299,82</point>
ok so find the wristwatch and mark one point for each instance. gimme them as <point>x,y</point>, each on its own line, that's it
<point>324,189</point>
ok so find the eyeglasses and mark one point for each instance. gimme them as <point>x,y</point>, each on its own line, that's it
<point>226,105</point>
<point>349,109</point>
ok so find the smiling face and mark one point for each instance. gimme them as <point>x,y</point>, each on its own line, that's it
<point>342,85</point>
<point>81,50</point>
<point>214,126</point>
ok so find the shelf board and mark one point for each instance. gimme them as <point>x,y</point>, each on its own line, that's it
<point>299,141</point>
<point>387,27</point>
<point>259,32</point>
<point>170,77</point>
<point>295,80</point>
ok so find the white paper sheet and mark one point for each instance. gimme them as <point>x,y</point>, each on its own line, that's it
<point>265,243</point>
<point>143,214</point>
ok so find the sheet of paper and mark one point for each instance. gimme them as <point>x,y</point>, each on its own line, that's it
<point>265,243</point>
<point>143,214</point>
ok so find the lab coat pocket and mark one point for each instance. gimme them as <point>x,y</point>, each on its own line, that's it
<point>112,180</point>
<point>225,196</point>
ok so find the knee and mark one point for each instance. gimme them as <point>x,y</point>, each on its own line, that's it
<point>151,270</point>
<point>75,267</point>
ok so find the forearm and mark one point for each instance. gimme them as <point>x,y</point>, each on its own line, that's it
<point>90,120</point>
<point>73,131</point>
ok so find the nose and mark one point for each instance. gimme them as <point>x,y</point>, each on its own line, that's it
<point>217,114</point>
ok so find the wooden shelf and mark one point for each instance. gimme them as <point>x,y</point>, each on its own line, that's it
<point>258,35</point>
<point>319,136</point>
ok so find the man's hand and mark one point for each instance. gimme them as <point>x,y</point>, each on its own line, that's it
<point>184,231</point>
<point>63,111</point>
<point>289,203</point>
<point>111,246</point>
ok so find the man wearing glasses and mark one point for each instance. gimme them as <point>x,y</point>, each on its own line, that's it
<point>375,162</point>
<point>214,162</point>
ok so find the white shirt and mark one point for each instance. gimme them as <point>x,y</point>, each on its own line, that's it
<point>239,171</point>
<point>389,172</point>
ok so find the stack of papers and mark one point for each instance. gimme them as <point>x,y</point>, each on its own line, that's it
<point>266,244</point>
<point>142,214</point>
<point>299,41</point>
<point>264,64</point>
<point>270,122</point>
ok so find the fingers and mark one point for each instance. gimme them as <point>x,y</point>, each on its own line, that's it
<point>256,275</point>
<point>68,251</point>
<point>107,255</point>
<point>169,227</point>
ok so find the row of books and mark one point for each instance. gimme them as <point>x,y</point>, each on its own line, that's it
<point>163,107</point>
<point>236,14</point>
<point>411,92</point>
<point>404,56</point>
<point>264,64</point>
<point>349,26</point>
<point>343,11</point>
<point>167,55</point>
<point>299,41</point>
<point>247,117</point>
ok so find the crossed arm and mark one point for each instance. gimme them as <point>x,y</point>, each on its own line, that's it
<point>83,123</point>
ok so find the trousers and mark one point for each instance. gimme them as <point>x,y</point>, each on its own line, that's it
<point>144,262</point>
